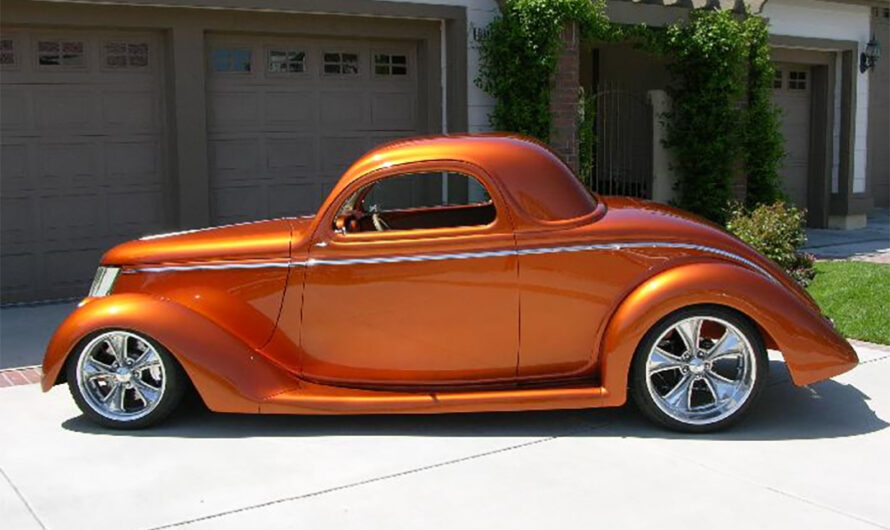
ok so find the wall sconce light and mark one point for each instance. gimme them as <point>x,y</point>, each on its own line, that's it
<point>870,56</point>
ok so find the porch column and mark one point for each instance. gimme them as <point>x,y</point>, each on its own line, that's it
<point>663,177</point>
<point>564,99</point>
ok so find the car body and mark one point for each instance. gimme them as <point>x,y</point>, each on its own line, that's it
<point>540,302</point>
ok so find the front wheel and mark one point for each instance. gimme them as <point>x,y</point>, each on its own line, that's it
<point>124,380</point>
<point>699,369</point>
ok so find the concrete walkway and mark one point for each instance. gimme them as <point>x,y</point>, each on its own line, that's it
<point>871,243</point>
<point>805,458</point>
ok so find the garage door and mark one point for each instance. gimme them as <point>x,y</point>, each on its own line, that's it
<point>82,157</point>
<point>287,116</point>
<point>791,92</point>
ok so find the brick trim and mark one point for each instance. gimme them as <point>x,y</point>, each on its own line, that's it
<point>564,99</point>
<point>26,375</point>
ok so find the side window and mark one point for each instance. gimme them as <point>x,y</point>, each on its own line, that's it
<point>414,201</point>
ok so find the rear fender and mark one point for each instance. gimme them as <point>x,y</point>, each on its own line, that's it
<point>228,374</point>
<point>812,348</point>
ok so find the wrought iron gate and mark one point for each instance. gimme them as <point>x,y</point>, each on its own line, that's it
<point>622,161</point>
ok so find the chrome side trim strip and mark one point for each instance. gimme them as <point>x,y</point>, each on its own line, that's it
<point>412,259</point>
<point>212,267</point>
<point>453,256</point>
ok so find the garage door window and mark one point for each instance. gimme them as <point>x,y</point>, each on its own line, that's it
<point>60,53</point>
<point>390,64</point>
<point>797,80</point>
<point>286,61</point>
<point>343,63</point>
<point>7,53</point>
<point>121,55</point>
<point>230,60</point>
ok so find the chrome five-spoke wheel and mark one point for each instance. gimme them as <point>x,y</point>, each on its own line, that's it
<point>699,369</point>
<point>122,378</point>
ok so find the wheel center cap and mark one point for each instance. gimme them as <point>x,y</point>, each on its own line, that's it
<point>696,365</point>
<point>123,375</point>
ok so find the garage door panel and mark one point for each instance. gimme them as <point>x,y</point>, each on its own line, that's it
<point>236,204</point>
<point>82,157</point>
<point>134,214</point>
<point>15,109</point>
<point>133,163</point>
<point>313,123</point>
<point>340,151</point>
<point>64,166</point>
<point>234,160</point>
<point>393,111</point>
<point>67,268</point>
<point>343,108</point>
<point>62,108</point>
<point>791,94</point>
<point>131,110</point>
<point>18,274</point>
<point>19,222</point>
<point>296,109</point>
<point>14,168</point>
<point>294,199</point>
<point>234,109</point>
<point>293,156</point>
<point>797,148</point>
<point>72,219</point>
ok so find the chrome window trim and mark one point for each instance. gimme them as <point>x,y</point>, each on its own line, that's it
<point>312,262</point>
<point>103,281</point>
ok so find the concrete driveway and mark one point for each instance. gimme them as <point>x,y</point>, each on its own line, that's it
<point>811,457</point>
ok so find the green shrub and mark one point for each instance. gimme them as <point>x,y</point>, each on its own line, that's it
<point>776,231</point>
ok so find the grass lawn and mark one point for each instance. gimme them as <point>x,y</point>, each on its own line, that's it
<point>857,296</point>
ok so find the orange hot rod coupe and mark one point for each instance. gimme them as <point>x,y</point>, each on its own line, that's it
<point>443,274</point>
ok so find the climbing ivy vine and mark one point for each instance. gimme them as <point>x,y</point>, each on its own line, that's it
<point>722,120</point>
<point>519,55</point>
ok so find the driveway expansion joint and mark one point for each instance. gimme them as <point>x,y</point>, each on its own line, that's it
<point>23,499</point>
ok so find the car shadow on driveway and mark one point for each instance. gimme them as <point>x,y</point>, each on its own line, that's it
<point>829,409</point>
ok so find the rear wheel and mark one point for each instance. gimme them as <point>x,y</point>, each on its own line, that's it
<point>124,380</point>
<point>699,369</point>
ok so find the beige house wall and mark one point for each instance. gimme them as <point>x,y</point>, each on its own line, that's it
<point>879,115</point>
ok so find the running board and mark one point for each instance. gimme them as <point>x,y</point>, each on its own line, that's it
<point>321,399</point>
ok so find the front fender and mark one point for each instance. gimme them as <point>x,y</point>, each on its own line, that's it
<point>227,373</point>
<point>812,348</point>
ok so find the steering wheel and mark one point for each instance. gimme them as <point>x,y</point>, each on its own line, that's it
<point>378,221</point>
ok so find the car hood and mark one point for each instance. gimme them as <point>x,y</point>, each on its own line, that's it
<point>629,219</point>
<point>245,241</point>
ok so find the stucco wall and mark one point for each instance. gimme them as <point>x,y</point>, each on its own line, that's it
<point>830,20</point>
<point>479,14</point>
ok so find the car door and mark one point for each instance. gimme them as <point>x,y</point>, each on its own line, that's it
<point>431,300</point>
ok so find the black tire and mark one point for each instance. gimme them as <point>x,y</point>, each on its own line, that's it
<point>640,388</point>
<point>171,396</point>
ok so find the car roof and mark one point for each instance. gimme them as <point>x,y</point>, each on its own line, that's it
<point>536,181</point>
